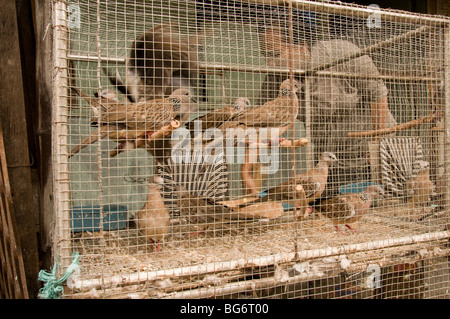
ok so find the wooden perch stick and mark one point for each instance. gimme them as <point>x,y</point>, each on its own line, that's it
<point>140,140</point>
<point>284,143</point>
<point>164,131</point>
<point>301,142</point>
<point>401,127</point>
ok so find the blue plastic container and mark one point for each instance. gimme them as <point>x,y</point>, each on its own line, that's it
<point>87,218</point>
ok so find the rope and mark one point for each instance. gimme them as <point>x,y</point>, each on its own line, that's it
<point>53,287</point>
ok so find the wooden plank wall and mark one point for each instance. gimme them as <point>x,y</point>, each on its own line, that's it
<point>15,125</point>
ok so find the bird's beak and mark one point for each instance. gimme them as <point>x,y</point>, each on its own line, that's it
<point>193,100</point>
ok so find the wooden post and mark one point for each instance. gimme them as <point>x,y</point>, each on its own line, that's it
<point>447,119</point>
<point>44,77</point>
<point>310,146</point>
<point>61,179</point>
<point>12,113</point>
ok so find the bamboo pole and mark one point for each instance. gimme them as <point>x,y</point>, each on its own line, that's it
<point>332,269</point>
<point>356,11</point>
<point>369,49</point>
<point>447,120</point>
<point>215,267</point>
<point>12,272</point>
<point>218,68</point>
<point>61,180</point>
<point>397,128</point>
<point>310,146</point>
<point>227,283</point>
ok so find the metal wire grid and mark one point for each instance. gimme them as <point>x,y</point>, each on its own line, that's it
<point>234,61</point>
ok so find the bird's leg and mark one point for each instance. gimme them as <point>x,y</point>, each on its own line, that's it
<point>351,229</point>
<point>197,233</point>
<point>338,230</point>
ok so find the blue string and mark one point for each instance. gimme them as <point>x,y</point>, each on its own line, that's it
<point>53,287</point>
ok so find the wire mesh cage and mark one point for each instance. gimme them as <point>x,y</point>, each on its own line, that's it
<point>250,149</point>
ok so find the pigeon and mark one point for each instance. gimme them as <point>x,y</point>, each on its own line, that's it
<point>275,113</point>
<point>348,208</point>
<point>152,115</point>
<point>153,218</point>
<point>128,123</point>
<point>420,188</point>
<point>216,117</point>
<point>313,182</point>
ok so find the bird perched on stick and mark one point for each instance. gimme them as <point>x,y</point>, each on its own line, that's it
<point>131,122</point>
<point>279,112</point>
<point>217,117</point>
<point>420,187</point>
<point>348,208</point>
<point>153,218</point>
<point>313,182</point>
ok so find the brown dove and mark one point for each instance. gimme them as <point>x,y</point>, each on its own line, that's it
<point>217,117</point>
<point>420,188</point>
<point>128,122</point>
<point>313,182</point>
<point>348,208</point>
<point>275,113</point>
<point>150,116</point>
<point>153,219</point>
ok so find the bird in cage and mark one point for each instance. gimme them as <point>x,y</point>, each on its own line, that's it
<point>153,219</point>
<point>278,112</point>
<point>161,60</point>
<point>131,124</point>
<point>348,208</point>
<point>217,117</point>
<point>420,187</point>
<point>313,181</point>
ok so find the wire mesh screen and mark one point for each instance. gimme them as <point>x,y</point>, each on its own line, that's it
<point>250,149</point>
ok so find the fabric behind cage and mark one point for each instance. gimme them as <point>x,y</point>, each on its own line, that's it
<point>397,157</point>
<point>198,177</point>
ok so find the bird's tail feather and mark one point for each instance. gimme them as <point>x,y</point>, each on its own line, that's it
<point>87,141</point>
